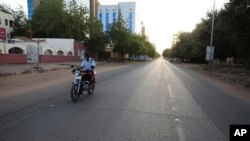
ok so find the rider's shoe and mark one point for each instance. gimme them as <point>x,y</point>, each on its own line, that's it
<point>90,91</point>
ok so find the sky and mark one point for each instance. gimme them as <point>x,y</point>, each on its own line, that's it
<point>162,18</point>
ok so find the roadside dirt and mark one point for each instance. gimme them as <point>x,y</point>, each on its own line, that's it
<point>234,81</point>
<point>10,85</point>
<point>234,75</point>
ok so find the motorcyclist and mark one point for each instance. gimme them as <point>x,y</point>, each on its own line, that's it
<point>88,64</point>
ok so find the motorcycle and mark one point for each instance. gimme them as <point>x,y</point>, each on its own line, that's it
<point>81,82</point>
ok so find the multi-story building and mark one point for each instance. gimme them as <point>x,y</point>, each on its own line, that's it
<point>175,38</point>
<point>107,14</point>
<point>6,25</point>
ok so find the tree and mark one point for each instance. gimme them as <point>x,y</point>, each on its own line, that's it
<point>166,53</point>
<point>48,19</point>
<point>20,23</point>
<point>96,40</point>
<point>52,19</point>
<point>77,20</point>
<point>119,35</point>
<point>239,13</point>
<point>135,44</point>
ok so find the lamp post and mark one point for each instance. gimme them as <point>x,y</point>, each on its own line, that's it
<point>212,32</point>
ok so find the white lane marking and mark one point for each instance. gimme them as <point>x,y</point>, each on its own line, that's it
<point>52,105</point>
<point>180,130</point>
<point>170,92</point>
<point>164,71</point>
<point>165,75</point>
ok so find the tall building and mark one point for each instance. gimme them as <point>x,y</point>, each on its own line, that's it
<point>32,4</point>
<point>107,14</point>
<point>142,29</point>
<point>175,38</point>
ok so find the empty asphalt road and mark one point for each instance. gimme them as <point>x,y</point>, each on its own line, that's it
<point>148,101</point>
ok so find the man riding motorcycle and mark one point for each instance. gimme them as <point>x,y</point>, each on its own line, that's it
<point>88,64</point>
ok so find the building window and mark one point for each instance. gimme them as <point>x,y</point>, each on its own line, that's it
<point>130,21</point>
<point>107,21</point>
<point>114,17</point>
<point>6,22</point>
<point>12,24</point>
<point>100,17</point>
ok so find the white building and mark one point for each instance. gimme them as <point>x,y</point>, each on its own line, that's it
<point>107,14</point>
<point>6,25</point>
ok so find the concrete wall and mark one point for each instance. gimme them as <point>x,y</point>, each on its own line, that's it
<point>13,59</point>
<point>52,58</point>
<point>30,51</point>
<point>54,45</point>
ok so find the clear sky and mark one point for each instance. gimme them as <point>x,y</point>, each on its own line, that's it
<point>162,18</point>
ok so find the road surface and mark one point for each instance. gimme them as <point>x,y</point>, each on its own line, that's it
<point>148,101</point>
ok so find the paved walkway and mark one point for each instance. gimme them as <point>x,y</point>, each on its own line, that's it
<point>17,69</point>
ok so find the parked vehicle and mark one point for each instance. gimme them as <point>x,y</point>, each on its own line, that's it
<point>81,82</point>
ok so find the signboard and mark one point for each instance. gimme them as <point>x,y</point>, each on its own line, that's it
<point>210,53</point>
<point>3,34</point>
<point>32,53</point>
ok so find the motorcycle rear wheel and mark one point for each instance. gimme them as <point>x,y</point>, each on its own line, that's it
<point>74,94</point>
<point>92,89</point>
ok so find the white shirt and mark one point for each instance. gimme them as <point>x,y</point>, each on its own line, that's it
<point>88,64</point>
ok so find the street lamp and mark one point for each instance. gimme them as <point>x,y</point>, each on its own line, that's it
<point>212,32</point>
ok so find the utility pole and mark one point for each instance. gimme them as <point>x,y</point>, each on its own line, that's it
<point>212,32</point>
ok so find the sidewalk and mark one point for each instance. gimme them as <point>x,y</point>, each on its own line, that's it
<point>18,69</point>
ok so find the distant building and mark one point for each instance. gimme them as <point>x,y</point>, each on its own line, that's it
<point>142,29</point>
<point>175,38</point>
<point>107,14</point>
<point>6,26</point>
<point>93,7</point>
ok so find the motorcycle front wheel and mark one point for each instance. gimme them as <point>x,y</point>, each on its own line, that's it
<point>74,94</point>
